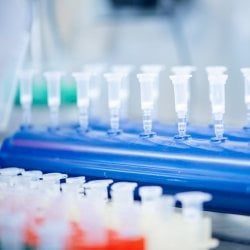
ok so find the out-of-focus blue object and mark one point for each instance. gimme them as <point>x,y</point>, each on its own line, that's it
<point>222,169</point>
<point>15,22</point>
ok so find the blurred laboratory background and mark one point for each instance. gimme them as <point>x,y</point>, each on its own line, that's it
<point>65,35</point>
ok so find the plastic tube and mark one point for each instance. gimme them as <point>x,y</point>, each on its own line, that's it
<point>97,189</point>
<point>96,84</point>
<point>184,70</point>
<point>147,86</point>
<point>149,193</point>
<point>26,79</point>
<point>51,182</point>
<point>217,98</point>
<point>215,71</point>
<point>181,93</point>
<point>114,81</point>
<point>125,209</point>
<point>11,171</point>
<point>192,204</point>
<point>154,69</point>
<point>78,180</point>
<point>54,96</point>
<point>123,192</point>
<point>82,83</point>
<point>125,69</point>
<point>246,74</point>
<point>96,71</point>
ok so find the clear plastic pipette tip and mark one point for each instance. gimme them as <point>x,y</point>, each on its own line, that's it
<point>114,81</point>
<point>246,74</point>
<point>26,80</point>
<point>82,87</point>
<point>217,99</point>
<point>192,203</point>
<point>181,93</point>
<point>53,79</point>
<point>147,86</point>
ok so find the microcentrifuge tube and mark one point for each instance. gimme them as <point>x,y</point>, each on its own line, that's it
<point>126,69</point>
<point>82,87</point>
<point>54,96</point>
<point>217,98</point>
<point>181,93</point>
<point>114,81</point>
<point>26,79</point>
<point>154,69</point>
<point>147,86</point>
<point>184,70</point>
<point>215,70</point>
<point>192,204</point>
<point>96,84</point>
<point>246,74</point>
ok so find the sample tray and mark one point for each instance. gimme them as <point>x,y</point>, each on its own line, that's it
<point>222,169</point>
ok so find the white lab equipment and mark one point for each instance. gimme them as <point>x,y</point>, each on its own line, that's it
<point>11,171</point>
<point>97,189</point>
<point>192,204</point>
<point>114,81</point>
<point>53,79</point>
<point>246,74</point>
<point>123,192</point>
<point>181,93</point>
<point>26,80</point>
<point>82,88</point>
<point>147,86</point>
<point>217,98</point>
<point>149,193</point>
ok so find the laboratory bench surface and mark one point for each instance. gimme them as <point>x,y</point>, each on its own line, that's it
<point>233,231</point>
